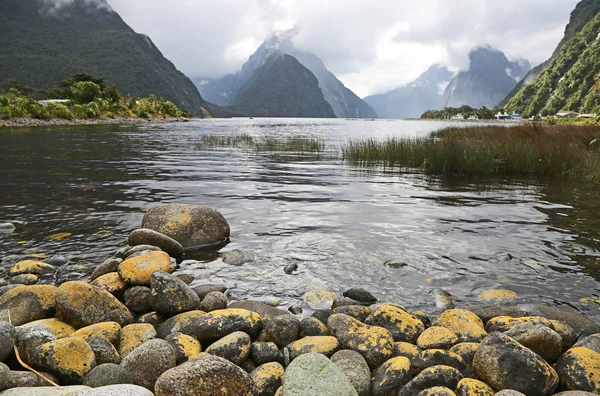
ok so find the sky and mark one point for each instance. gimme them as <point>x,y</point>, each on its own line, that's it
<point>371,46</point>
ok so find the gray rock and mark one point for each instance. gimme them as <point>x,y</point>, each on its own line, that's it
<point>27,339</point>
<point>151,318</point>
<point>234,347</point>
<point>186,278</point>
<point>71,390</point>
<point>24,279</point>
<point>295,309</point>
<point>104,351</point>
<point>358,312</point>
<point>7,339</point>
<point>360,295</point>
<point>590,342</point>
<point>57,260</point>
<point>171,296</point>
<point>235,257</point>
<point>137,298</point>
<point>267,378</point>
<point>509,392</point>
<point>290,268</point>
<point>248,366</point>
<point>343,302</point>
<point>120,253</point>
<point>190,225</point>
<point>4,373</point>
<point>356,369</point>
<point>431,377</point>
<point>311,327</point>
<point>282,330</point>
<point>203,290</point>
<point>107,374</point>
<point>25,379</point>
<point>107,266</point>
<point>148,361</point>
<point>118,390</point>
<point>7,287</point>
<point>213,301</point>
<point>145,236</point>
<point>266,312</point>
<point>7,228</point>
<point>314,374</point>
<point>322,315</point>
<point>540,339</point>
<point>265,352</point>
<point>582,325</point>
<point>574,393</point>
<point>182,323</point>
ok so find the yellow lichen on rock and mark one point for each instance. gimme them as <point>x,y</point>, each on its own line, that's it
<point>497,296</point>
<point>110,331</point>
<point>437,337</point>
<point>58,236</point>
<point>35,267</point>
<point>186,347</point>
<point>60,329</point>
<point>29,303</point>
<point>473,387</point>
<point>405,349</point>
<point>138,270</point>
<point>437,391</point>
<point>69,357</point>
<point>465,324</point>
<point>134,335</point>
<point>505,323</point>
<point>579,369</point>
<point>325,345</point>
<point>466,351</point>
<point>319,298</point>
<point>111,282</point>
<point>402,325</point>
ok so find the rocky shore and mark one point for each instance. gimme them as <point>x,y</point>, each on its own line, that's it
<point>32,122</point>
<point>133,328</point>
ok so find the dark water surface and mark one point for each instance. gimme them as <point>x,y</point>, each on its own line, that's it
<point>338,222</point>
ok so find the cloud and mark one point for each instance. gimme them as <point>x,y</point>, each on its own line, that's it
<point>371,46</point>
<point>60,7</point>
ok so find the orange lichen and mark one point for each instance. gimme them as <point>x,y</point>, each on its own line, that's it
<point>110,331</point>
<point>60,329</point>
<point>31,267</point>
<point>138,270</point>
<point>134,335</point>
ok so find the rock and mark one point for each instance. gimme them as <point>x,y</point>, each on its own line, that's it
<point>497,296</point>
<point>566,332</point>
<point>234,347</point>
<point>35,267</point>
<point>437,338</point>
<point>290,268</point>
<point>248,366</point>
<point>465,324</point>
<point>401,325</point>
<point>213,301</point>
<point>443,300</point>
<point>235,257</point>
<point>440,357</point>
<point>7,228</point>
<point>203,290</point>
<point>437,391</point>
<point>582,325</point>
<point>110,331</point>
<point>137,298</point>
<point>574,393</point>
<point>182,323</point>
<point>282,330</point>
<point>354,366</point>
<point>503,363</point>
<point>295,309</point>
<point>540,339</point>
<point>267,378</point>
<point>361,295</point>
<point>312,327</point>
<point>579,369</point>
<point>203,376</point>
<point>27,339</point>
<point>375,344</point>
<point>171,296</point>
<point>112,283</point>
<point>473,387</point>
<point>134,335</point>
<point>24,279</point>
<point>107,374</point>
<point>145,236</point>
<point>186,347</point>
<point>7,339</point>
<point>466,351</point>
<point>7,287</point>
<point>422,316</point>
<point>57,260</point>
<point>70,359</point>
<point>107,266</point>
<point>139,250</point>
<point>391,376</point>
<point>217,324</point>
<point>344,302</point>
<point>104,351</point>
<point>505,323</point>
<point>25,379</point>
<point>405,349</point>
<point>71,390</point>
<point>358,312</point>
<point>151,318</point>
<point>81,304</point>
<point>190,225</point>
<point>59,328</point>
<point>314,374</point>
<point>118,390</point>
<point>322,315</point>
<point>319,298</point>
<point>325,345</point>
<point>265,352</point>
<point>431,377</point>
<point>29,303</point>
<point>137,271</point>
<point>157,352</point>
<point>266,312</point>
<point>186,278</point>
<point>591,342</point>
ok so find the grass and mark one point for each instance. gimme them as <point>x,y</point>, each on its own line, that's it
<point>544,151</point>
<point>298,145</point>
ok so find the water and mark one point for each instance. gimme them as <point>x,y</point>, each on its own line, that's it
<point>338,222</point>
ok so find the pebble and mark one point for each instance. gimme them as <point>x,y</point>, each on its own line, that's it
<point>290,268</point>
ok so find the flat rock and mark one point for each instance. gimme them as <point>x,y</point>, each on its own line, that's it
<point>355,367</point>
<point>314,374</point>
<point>29,303</point>
<point>118,390</point>
<point>149,361</point>
<point>145,236</point>
<point>24,279</point>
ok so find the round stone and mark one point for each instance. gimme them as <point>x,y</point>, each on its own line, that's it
<point>59,328</point>
<point>314,374</point>
<point>325,345</point>
<point>137,298</point>
<point>312,327</point>
<point>402,325</point>
<point>112,283</point>
<point>465,324</point>
<point>355,367</point>
<point>104,351</point>
<point>213,301</point>
<point>435,376</point>
<point>497,296</point>
<point>217,324</point>
<point>70,359</point>
<point>134,335</point>
<point>186,347</point>
<point>540,339</point>
<point>149,361</point>
<point>145,236</point>
<point>282,330</point>
<point>182,323</point>
<point>265,352</point>
<point>579,369</point>
<point>110,331</point>
<point>267,378</point>
<point>391,376</point>
<point>171,296</point>
<point>437,337</point>
<point>138,270</point>
<point>473,387</point>
<point>24,279</point>
<point>29,303</point>
<point>107,374</point>
<point>234,347</point>
<point>107,266</point>
<point>361,295</point>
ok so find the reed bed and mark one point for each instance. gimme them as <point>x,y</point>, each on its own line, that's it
<point>544,151</point>
<point>298,145</point>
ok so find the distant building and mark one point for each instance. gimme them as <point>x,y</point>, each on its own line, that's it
<point>587,116</point>
<point>501,116</point>
<point>515,117</point>
<point>473,118</point>
<point>47,102</point>
<point>459,117</point>
<point>567,114</point>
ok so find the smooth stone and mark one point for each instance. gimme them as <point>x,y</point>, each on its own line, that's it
<point>107,374</point>
<point>218,324</point>
<point>137,298</point>
<point>112,283</point>
<point>314,374</point>
<point>465,324</point>
<point>582,325</point>
<point>186,347</point>
<point>151,318</point>
<point>437,337</point>
<point>133,336</point>
<point>71,390</point>
<point>405,349</point>
<point>392,375</point>
<point>356,311</point>
<point>24,279</point>
<point>540,339</point>
<point>345,302</point>
<point>401,325</point>
<point>171,296</point>
<point>186,278</point>
<point>509,392</point>
<point>110,331</point>
<point>566,332</point>
<point>267,378</point>
<point>506,323</point>
<point>137,271</point>
<point>7,227</point>
<point>145,236</point>
<point>579,369</point>
<point>266,311</point>
<point>25,379</point>
<point>118,390</point>
<point>497,296</point>
<point>57,260</point>
<point>59,328</point>
<point>7,339</point>
<point>282,330</point>
<point>295,309</point>
<point>234,347</point>
<point>318,298</point>
<point>290,268</point>
<point>466,351</point>
<point>236,257</point>
<point>70,359</point>
<point>440,357</point>
<point>473,387</point>
<point>265,352</point>
<point>27,339</point>
<point>213,301</point>
<point>322,315</point>
<point>29,303</point>
<point>35,267</point>
<point>182,323</point>
<point>355,367</point>
<point>312,327</point>
<point>104,351</point>
<point>431,377</point>
<point>203,290</point>
<point>361,295</point>
<point>325,345</point>
<point>149,361</point>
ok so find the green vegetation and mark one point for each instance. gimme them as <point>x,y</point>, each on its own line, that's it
<point>528,150</point>
<point>484,113</point>
<point>297,145</point>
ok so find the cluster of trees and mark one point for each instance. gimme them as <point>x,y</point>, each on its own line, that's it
<point>88,97</point>
<point>484,113</point>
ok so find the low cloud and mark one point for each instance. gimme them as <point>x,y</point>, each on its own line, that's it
<point>57,8</point>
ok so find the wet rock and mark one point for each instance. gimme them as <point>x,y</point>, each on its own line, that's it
<point>497,296</point>
<point>112,283</point>
<point>266,312</point>
<point>217,324</point>
<point>190,225</point>
<point>104,351</point>
<point>81,304</point>
<point>437,338</point>
<point>375,344</point>
<point>361,295</point>
<point>25,379</point>
<point>110,331</point>
<point>57,260</point>
<point>137,298</point>
<point>312,327</point>
<point>24,279</point>
<point>203,290</point>
<point>473,387</point>
<point>290,268</point>
<point>7,228</point>
<point>265,352</point>
<point>59,328</point>
<point>35,267</point>
<point>318,298</point>
<point>107,374</point>
<point>186,278</point>
<point>145,236</point>
<point>171,296</point>
<point>354,366</point>
<point>465,324</point>
<point>356,311</point>
<point>344,302</point>
<point>402,325</point>
<point>213,301</point>
<point>324,345</point>
<point>445,376</point>
<point>440,357</point>
<point>137,271</point>
<point>295,309</point>
<point>405,349</point>
<point>314,374</point>
<point>267,378</point>
<point>391,376</point>
<point>202,376</point>
<point>282,330</point>
<point>443,299</point>
<point>503,363</point>
<point>582,325</point>
<point>134,335</point>
<point>186,347</point>
<point>156,351</point>
<point>151,318</point>
<point>139,250</point>
<point>466,351</point>
<point>566,332</point>
<point>234,347</point>
<point>422,316</point>
<point>437,391</point>
<point>27,339</point>
<point>505,323</point>
<point>579,369</point>
<point>540,339</point>
<point>29,303</point>
<point>7,339</point>
<point>322,315</point>
<point>236,257</point>
<point>182,323</point>
<point>70,359</point>
<point>70,390</point>
<point>118,390</point>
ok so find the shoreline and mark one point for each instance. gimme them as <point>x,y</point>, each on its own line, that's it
<point>33,122</point>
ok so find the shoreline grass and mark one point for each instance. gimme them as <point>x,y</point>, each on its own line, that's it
<point>543,151</point>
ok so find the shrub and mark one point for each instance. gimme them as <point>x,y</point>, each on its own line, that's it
<point>59,110</point>
<point>85,91</point>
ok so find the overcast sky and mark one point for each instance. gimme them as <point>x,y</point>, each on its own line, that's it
<point>372,46</point>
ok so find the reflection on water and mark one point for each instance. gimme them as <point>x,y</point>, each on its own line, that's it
<point>339,223</point>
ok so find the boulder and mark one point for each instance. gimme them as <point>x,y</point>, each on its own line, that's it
<point>437,337</point>
<point>579,369</point>
<point>391,376</point>
<point>325,345</point>
<point>70,359</point>
<point>360,295</point>
<point>265,352</point>
<point>145,236</point>
<point>107,266</point>
<point>314,374</point>
<point>213,301</point>
<point>112,283</point>
<point>234,347</point>
<point>107,374</point>
<point>35,267</point>
<point>282,330</point>
<point>171,296</point>
<point>110,331</point>
<point>465,324</point>
<point>405,349</point>
<point>401,325</point>
<point>186,347</point>
<point>191,225</point>
<point>137,298</point>
<point>312,327</point>
<point>29,303</point>
<point>7,339</point>
<point>540,339</point>
<point>267,378</point>
<point>137,271</point>
<point>182,323</point>
<point>149,361</point>
<point>505,323</point>
<point>435,376</point>
<point>473,387</point>
<point>27,339</point>
<point>104,351</point>
<point>355,367</point>
<point>134,335</point>
<point>217,324</point>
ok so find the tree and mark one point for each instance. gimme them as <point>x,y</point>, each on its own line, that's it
<point>17,85</point>
<point>85,91</point>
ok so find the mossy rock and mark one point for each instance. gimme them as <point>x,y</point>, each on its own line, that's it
<point>497,296</point>
<point>112,283</point>
<point>325,345</point>
<point>134,335</point>
<point>70,359</point>
<point>405,349</point>
<point>138,270</point>
<point>218,324</point>
<point>473,387</point>
<point>186,347</point>
<point>29,303</point>
<point>391,376</point>
<point>440,357</point>
<point>35,267</point>
<point>465,324</point>
<point>436,376</point>
<point>466,350</point>
<point>505,323</point>
<point>110,331</point>
<point>402,325</point>
<point>437,391</point>
<point>267,378</point>
<point>437,337</point>
<point>234,347</point>
<point>59,328</point>
<point>182,323</point>
<point>579,369</point>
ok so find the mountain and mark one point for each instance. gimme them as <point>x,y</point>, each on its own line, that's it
<point>282,87</point>
<point>570,82</point>
<point>583,13</point>
<point>344,102</point>
<point>45,41</point>
<point>491,76</point>
<point>412,100</point>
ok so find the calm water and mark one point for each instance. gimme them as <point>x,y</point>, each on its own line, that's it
<point>338,222</point>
